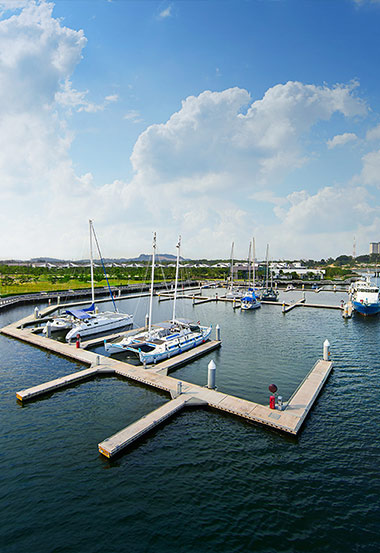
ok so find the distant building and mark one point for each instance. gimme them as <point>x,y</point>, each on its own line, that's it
<point>374,247</point>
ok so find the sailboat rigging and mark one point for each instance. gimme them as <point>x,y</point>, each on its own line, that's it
<point>165,339</point>
<point>87,321</point>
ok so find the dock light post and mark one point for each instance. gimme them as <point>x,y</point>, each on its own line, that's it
<point>283,307</point>
<point>326,350</point>
<point>211,375</point>
<point>217,331</point>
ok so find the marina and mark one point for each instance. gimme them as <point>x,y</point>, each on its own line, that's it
<point>286,417</point>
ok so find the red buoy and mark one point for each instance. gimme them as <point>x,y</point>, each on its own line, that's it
<point>272,388</point>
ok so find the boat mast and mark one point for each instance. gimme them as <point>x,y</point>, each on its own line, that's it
<point>152,284</point>
<point>267,274</point>
<point>91,265</point>
<point>253,258</point>
<point>249,265</point>
<point>176,277</point>
<point>232,266</point>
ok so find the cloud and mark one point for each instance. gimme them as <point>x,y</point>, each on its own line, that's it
<point>167,12</point>
<point>370,173</point>
<point>373,134</point>
<point>74,99</point>
<point>341,139</point>
<point>216,133</point>
<point>133,115</point>
<point>326,221</point>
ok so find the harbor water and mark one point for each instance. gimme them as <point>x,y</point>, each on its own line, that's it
<point>204,482</point>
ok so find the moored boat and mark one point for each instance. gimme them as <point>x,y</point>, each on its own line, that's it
<point>88,321</point>
<point>365,297</point>
<point>250,301</point>
<point>166,339</point>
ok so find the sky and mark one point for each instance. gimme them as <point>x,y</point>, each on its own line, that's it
<point>218,121</point>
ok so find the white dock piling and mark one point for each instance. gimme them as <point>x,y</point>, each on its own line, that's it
<point>211,375</point>
<point>326,350</point>
<point>217,331</point>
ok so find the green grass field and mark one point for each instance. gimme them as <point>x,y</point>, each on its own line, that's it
<point>47,286</point>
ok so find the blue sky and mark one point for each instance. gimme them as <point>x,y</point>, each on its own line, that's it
<point>217,120</point>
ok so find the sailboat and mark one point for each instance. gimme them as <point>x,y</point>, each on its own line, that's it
<point>166,339</point>
<point>269,294</point>
<point>232,293</point>
<point>140,338</point>
<point>87,321</point>
<point>250,301</point>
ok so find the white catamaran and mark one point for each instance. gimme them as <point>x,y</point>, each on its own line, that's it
<point>87,321</point>
<point>164,339</point>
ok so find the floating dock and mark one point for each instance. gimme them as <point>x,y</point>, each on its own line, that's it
<point>288,419</point>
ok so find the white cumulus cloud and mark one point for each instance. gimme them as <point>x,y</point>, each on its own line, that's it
<point>341,139</point>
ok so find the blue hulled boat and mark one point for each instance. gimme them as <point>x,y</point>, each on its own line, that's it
<point>365,297</point>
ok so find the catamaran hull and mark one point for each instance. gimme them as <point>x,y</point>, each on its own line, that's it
<point>366,309</point>
<point>149,358</point>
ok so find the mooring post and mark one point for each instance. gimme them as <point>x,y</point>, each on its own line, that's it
<point>179,388</point>
<point>58,300</point>
<point>146,321</point>
<point>36,312</point>
<point>217,331</point>
<point>48,329</point>
<point>326,350</point>
<point>211,375</point>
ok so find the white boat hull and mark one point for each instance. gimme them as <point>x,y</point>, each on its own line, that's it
<point>103,322</point>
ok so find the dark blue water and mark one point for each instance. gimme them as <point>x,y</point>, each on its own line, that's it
<point>204,482</point>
